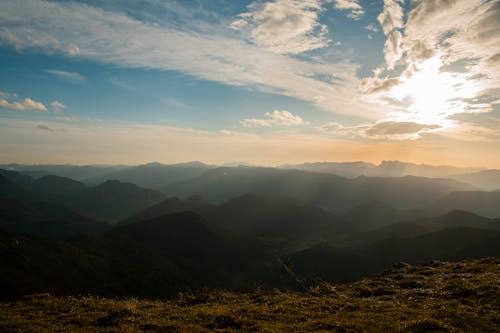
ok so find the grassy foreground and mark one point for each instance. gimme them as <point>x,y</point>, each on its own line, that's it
<point>437,297</point>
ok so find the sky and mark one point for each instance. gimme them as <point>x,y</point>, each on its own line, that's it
<point>262,82</point>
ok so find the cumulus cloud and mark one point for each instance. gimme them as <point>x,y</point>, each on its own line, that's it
<point>25,105</point>
<point>284,26</point>
<point>274,118</point>
<point>58,106</point>
<point>67,75</point>
<point>354,9</point>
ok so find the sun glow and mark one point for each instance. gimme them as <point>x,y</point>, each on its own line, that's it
<point>432,95</point>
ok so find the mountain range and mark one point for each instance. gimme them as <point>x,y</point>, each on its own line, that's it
<point>156,175</point>
<point>235,228</point>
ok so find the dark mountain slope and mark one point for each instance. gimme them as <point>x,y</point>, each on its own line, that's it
<point>155,258</point>
<point>281,220</point>
<point>10,189</point>
<point>418,227</point>
<point>49,184</point>
<point>398,230</point>
<point>170,206</point>
<point>340,265</point>
<point>16,177</point>
<point>77,172</point>
<point>460,218</point>
<point>478,202</point>
<point>113,200</point>
<point>30,265</point>
<point>447,244</point>
<point>376,215</point>
<point>45,219</point>
<point>278,218</point>
<point>204,257</point>
<point>56,185</point>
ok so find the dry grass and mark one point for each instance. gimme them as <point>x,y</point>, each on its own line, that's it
<point>439,297</point>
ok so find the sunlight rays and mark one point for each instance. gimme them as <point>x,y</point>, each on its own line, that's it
<point>434,95</point>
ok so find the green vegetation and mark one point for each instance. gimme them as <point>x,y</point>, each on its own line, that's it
<point>436,297</point>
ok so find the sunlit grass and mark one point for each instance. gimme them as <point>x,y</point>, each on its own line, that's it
<point>439,297</point>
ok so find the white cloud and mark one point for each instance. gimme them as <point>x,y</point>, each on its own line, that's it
<point>371,27</point>
<point>114,38</point>
<point>67,75</point>
<point>58,106</point>
<point>384,129</point>
<point>26,104</point>
<point>391,20</point>
<point>284,26</point>
<point>274,118</point>
<point>355,10</point>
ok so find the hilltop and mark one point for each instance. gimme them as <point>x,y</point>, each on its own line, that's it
<point>434,297</point>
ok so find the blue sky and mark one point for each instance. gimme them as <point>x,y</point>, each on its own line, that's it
<point>266,82</point>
